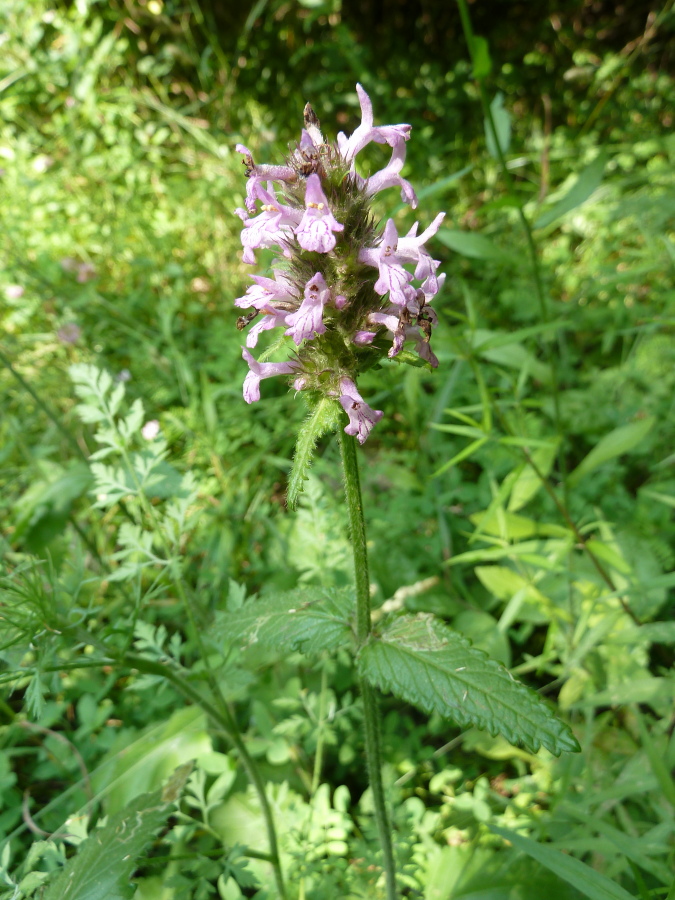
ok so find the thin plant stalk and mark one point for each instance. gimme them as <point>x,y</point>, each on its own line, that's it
<point>371,711</point>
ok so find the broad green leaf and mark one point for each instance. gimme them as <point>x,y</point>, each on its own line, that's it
<point>504,583</point>
<point>502,123</point>
<point>132,766</point>
<point>105,862</point>
<point>309,619</point>
<point>528,483</point>
<point>480,54</point>
<point>467,243</point>
<point>640,690</point>
<point>512,355</point>
<point>586,184</point>
<point>585,879</point>
<point>609,554</point>
<point>621,440</point>
<point>439,186</point>
<point>324,417</point>
<point>514,527</point>
<point>422,661</point>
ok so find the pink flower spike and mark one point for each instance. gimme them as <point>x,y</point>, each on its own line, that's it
<point>307,322</point>
<point>361,416</point>
<point>258,371</point>
<point>315,231</point>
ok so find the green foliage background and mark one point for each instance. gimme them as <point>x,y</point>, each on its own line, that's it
<point>523,492</point>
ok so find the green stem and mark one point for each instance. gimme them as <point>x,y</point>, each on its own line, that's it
<point>371,712</point>
<point>357,531</point>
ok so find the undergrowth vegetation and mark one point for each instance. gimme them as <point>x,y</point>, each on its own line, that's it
<point>522,493</point>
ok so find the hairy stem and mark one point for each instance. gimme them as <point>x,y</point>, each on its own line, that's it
<point>371,712</point>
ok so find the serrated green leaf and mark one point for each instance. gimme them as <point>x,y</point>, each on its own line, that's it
<point>35,696</point>
<point>422,661</point>
<point>133,420</point>
<point>586,184</point>
<point>585,879</point>
<point>324,417</point>
<point>89,414</point>
<point>309,619</point>
<point>104,863</point>
<point>614,444</point>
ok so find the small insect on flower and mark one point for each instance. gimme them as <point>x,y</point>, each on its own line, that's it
<point>345,292</point>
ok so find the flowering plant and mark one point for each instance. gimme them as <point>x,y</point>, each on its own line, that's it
<point>346,293</point>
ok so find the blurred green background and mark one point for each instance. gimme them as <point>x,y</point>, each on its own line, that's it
<point>119,179</point>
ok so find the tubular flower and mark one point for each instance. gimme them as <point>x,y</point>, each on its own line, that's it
<point>345,293</point>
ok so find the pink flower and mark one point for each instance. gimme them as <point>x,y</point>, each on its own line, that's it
<point>315,231</point>
<point>266,291</point>
<point>307,322</point>
<point>258,371</point>
<point>411,249</point>
<point>389,177</point>
<point>272,320</point>
<point>258,174</point>
<point>362,338</point>
<point>269,229</point>
<point>402,330</point>
<point>367,132</point>
<point>361,416</point>
<point>14,292</point>
<point>393,277</point>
